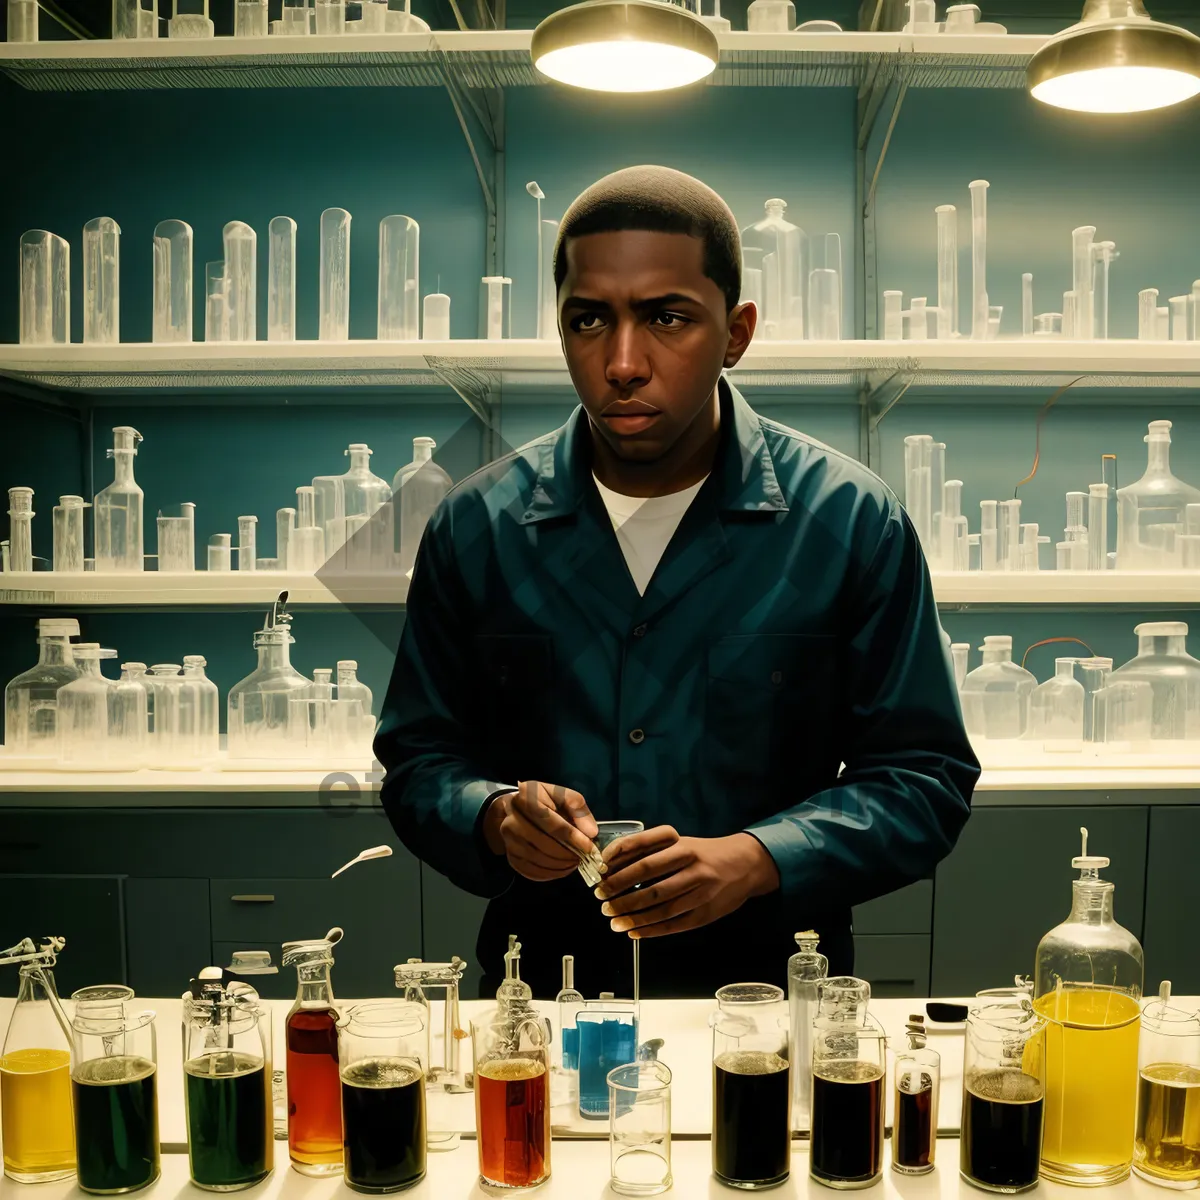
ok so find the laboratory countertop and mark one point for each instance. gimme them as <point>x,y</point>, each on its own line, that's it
<point>687,1050</point>
<point>580,1171</point>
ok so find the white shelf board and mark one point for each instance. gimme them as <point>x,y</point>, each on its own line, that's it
<point>1089,588</point>
<point>198,589</point>
<point>499,58</point>
<point>539,364</point>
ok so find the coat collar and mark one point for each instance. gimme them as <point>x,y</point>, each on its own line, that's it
<point>742,480</point>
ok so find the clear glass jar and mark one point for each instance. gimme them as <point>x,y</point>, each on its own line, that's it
<point>1166,1144</point>
<point>995,696</point>
<point>775,252</point>
<point>1173,674</point>
<point>1056,710</point>
<point>849,1068</point>
<point>1088,986</point>
<point>1151,513</point>
<point>31,698</point>
<point>35,1077</point>
<point>83,741</point>
<point>227,1084</point>
<point>752,1089</point>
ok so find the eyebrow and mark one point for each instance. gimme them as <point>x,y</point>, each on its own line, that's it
<point>652,302</point>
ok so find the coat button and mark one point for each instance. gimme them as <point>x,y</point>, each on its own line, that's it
<point>639,630</point>
<point>637,736</point>
<point>777,677</point>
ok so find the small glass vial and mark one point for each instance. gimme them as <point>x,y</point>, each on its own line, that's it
<point>918,1076</point>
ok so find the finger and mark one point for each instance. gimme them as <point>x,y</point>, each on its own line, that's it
<point>696,919</point>
<point>539,811</point>
<point>532,844</point>
<point>637,845</point>
<point>535,871</point>
<point>653,866</point>
<point>571,805</point>
<point>652,896</point>
<point>699,895</point>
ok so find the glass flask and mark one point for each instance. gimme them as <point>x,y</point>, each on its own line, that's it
<point>117,511</point>
<point>849,1068</point>
<point>1088,984</point>
<point>917,1074</point>
<point>310,1035</point>
<point>258,705</point>
<point>512,1096</point>
<point>128,716</point>
<point>1151,513</point>
<point>606,1033</point>
<point>227,1083</point>
<point>1056,710</point>
<point>1166,1144</point>
<point>1163,662</point>
<point>35,1072</point>
<point>775,247</point>
<point>752,1090</point>
<point>83,740</point>
<point>806,969</point>
<point>114,1077</point>
<point>381,1045</point>
<point>419,487</point>
<point>31,698</point>
<point>1004,1095</point>
<point>202,701</point>
<point>359,492</point>
<point>995,696</point>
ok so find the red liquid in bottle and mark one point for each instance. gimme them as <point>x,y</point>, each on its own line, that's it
<point>511,1111</point>
<point>314,1092</point>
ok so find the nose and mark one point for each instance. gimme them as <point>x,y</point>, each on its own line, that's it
<point>628,363</point>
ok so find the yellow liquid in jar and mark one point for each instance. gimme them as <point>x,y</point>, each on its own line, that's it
<point>1166,1145</point>
<point>35,1115</point>
<point>1091,1084</point>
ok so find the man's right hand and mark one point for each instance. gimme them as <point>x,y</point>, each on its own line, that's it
<point>535,826</point>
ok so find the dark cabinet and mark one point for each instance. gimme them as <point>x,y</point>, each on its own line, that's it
<point>1172,900</point>
<point>167,934</point>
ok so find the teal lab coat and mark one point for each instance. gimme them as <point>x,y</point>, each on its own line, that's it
<point>790,628</point>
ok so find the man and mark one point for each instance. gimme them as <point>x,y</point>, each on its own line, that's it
<point>674,610</point>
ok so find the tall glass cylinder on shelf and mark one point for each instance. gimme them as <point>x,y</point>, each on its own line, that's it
<point>114,1088</point>
<point>20,529</point>
<point>35,1072</point>
<point>45,282</point>
<point>313,1088</point>
<point>806,968</point>
<point>399,279</point>
<point>752,1088</point>
<point>31,698</point>
<point>250,18</point>
<point>1088,985</point>
<point>227,1083</point>
<point>281,280</point>
<point>241,281</point>
<point>101,282</point>
<point>335,272</point>
<point>68,534</point>
<point>172,280</point>
<point>117,511</point>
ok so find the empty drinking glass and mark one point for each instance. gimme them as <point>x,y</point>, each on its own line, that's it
<point>639,1126</point>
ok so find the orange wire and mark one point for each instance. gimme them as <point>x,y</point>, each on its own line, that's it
<point>1037,439</point>
<point>1051,641</point>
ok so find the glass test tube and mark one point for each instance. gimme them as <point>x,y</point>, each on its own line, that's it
<point>281,280</point>
<point>335,274</point>
<point>825,305</point>
<point>247,537</point>
<point>1083,260</point>
<point>399,279</point>
<point>495,308</point>
<point>979,297</point>
<point>988,537</point>
<point>241,282</point>
<point>947,252</point>
<point>1179,318</point>
<point>172,282</point>
<point>101,281</point>
<point>216,303</point>
<point>68,533</point>
<point>436,323</point>
<point>1105,253</point>
<point>1068,315</point>
<point>1148,315</point>
<point>548,311</point>
<point>1027,305</point>
<point>1097,527</point>
<point>20,513</point>
<point>45,305</point>
<point>918,319</point>
<point>893,316</point>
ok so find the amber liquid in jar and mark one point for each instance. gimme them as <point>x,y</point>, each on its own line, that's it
<point>314,1092</point>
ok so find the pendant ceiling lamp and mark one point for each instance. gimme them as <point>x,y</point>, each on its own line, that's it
<point>1116,60</point>
<point>624,46</point>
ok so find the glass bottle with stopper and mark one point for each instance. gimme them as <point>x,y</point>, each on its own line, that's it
<point>569,1001</point>
<point>1166,1144</point>
<point>313,1082</point>
<point>35,1071</point>
<point>227,1083</point>
<point>917,1073</point>
<point>806,968</point>
<point>1088,986</point>
<point>31,698</point>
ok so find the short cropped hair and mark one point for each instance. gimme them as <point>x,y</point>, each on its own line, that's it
<point>658,200</point>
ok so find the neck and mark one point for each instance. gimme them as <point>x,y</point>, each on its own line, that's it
<point>686,463</point>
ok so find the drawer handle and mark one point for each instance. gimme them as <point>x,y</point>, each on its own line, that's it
<point>253,899</point>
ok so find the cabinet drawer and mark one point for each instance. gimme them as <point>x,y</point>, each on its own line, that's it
<point>893,964</point>
<point>909,910</point>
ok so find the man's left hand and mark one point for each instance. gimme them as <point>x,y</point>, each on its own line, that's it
<point>691,883</point>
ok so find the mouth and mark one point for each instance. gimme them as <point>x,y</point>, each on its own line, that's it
<point>632,420</point>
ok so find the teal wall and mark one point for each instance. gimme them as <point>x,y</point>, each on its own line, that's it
<point>213,156</point>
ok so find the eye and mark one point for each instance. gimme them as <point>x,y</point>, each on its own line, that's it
<point>586,322</point>
<point>669,320</point>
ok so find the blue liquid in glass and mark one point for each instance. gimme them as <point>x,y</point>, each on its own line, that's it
<point>603,1044</point>
<point>570,1048</point>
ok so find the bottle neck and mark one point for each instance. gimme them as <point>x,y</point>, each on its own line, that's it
<point>360,460</point>
<point>55,652</point>
<point>37,983</point>
<point>1064,670</point>
<point>314,986</point>
<point>273,656</point>
<point>1159,455</point>
<point>1092,902</point>
<point>422,454</point>
<point>123,466</point>
<point>1158,647</point>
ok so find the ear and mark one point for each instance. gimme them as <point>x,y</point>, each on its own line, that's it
<point>743,320</point>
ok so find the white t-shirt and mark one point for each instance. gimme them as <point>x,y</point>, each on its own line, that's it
<point>644,526</point>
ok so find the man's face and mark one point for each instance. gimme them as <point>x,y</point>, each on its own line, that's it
<point>645,333</point>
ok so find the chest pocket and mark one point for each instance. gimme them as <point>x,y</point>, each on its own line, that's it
<point>770,701</point>
<point>514,704</point>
